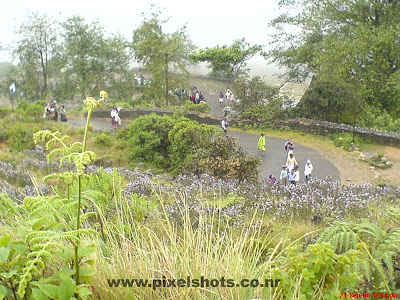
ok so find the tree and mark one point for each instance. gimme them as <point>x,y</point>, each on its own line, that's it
<point>165,56</point>
<point>93,61</point>
<point>35,49</point>
<point>228,60</point>
<point>354,41</point>
<point>331,101</point>
<point>252,91</point>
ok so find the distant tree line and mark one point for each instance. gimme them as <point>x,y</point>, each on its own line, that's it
<point>75,58</point>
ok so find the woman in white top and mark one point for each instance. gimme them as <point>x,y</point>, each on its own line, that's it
<point>307,170</point>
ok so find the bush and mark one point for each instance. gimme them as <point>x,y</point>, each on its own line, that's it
<point>262,116</point>
<point>202,107</point>
<point>187,137</point>
<point>20,136</point>
<point>380,161</point>
<point>103,139</point>
<point>224,158</point>
<point>345,140</point>
<point>148,138</point>
<point>374,118</point>
<point>4,111</point>
<point>30,111</point>
<point>179,144</point>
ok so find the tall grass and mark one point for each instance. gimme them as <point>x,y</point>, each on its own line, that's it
<point>200,248</point>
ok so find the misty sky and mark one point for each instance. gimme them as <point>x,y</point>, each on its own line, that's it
<point>209,22</point>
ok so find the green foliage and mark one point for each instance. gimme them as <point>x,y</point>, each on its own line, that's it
<point>349,41</point>
<point>36,47</point>
<point>318,272</point>
<point>4,112</point>
<point>161,53</point>
<point>181,145</point>
<point>19,135</point>
<point>103,139</point>
<point>380,248</point>
<point>230,60</point>
<point>91,59</point>
<point>30,111</point>
<point>374,118</point>
<point>187,138</point>
<point>253,91</point>
<point>328,100</point>
<point>202,107</point>
<point>345,140</point>
<point>379,161</point>
<point>224,158</point>
<point>142,207</point>
<point>148,139</point>
<point>262,115</point>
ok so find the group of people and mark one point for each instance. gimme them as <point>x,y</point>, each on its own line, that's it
<point>229,96</point>
<point>51,112</point>
<point>290,170</point>
<point>196,97</point>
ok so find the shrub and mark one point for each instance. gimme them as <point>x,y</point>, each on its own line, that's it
<point>148,138</point>
<point>380,161</point>
<point>262,115</point>
<point>374,118</point>
<point>224,158</point>
<point>20,136</point>
<point>191,107</point>
<point>4,111</point>
<point>187,137</point>
<point>345,140</point>
<point>30,111</point>
<point>103,139</point>
<point>179,144</point>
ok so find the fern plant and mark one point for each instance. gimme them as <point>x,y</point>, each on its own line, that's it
<point>46,225</point>
<point>380,247</point>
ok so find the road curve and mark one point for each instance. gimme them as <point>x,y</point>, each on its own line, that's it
<point>274,156</point>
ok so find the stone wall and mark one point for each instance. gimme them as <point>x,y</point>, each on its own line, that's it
<point>134,113</point>
<point>325,128</point>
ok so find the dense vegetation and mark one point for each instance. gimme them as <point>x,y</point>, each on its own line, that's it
<point>167,197</point>
<point>319,239</point>
<point>350,49</point>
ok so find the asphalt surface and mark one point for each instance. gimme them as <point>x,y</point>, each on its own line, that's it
<point>274,156</point>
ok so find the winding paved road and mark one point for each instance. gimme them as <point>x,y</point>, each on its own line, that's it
<point>274,156</point>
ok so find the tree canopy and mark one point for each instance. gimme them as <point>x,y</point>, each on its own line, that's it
<point>162,54</point>
<point>228,60</point>
<point>36,47</point>
<point>353,41</point>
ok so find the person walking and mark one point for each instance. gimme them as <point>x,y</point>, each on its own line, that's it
<point>221,98</point>
<point>224,125</point>
<point>291,161</point>
<point>292,177</point>
<point>63,117</point>
<point>308,170</point>
<point>288,147</point>
<point>115,120</point>
<point>284,175</point>
<point>261,144</point>
<point>297,173</point>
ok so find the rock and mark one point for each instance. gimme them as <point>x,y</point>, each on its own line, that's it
<point>388,163</point>
<point>377,176</point>
<point>349,179</point>
<point>384,159</point>
<point>372,168</point>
